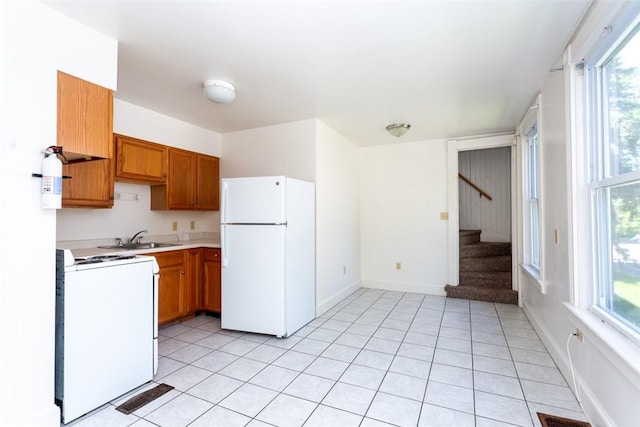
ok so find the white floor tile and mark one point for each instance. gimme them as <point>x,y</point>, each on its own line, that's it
<point>179,412</point>
<point>215,388</point>
<point>498,384</point>
<point>449,396</point>
<point>265,353</point>
<point>309,387</point>
<point>190,353</point>
<point>239,347</point>
<point>215,361</point>
<point>311,346</point>
<point>294,360</point>
<point>349,398</point>
<point>454,375</point>
<point>404,386</point>
<point>502,408</point>
<point>548,394</point>
<point>363,376</point>
<point>544,374</point>
<point>274,378</point>
<point>382,345</point>
<point>326,368</point>
<point>374,359</point>
<point>221,417</point>
<point>325,416</point>
<point>494,366</point>
<point>416,351</point>
<point>185,378</point>
<point>453,358</point>
<point>408,366</point>
<point>394,410</point>
<point>437,416</point>
<point>248,400</point>
<point>243,369</point>
<point>287,411</point>
<point>341,352</point>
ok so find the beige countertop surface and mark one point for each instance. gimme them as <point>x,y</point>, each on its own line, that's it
<point>90,248</point>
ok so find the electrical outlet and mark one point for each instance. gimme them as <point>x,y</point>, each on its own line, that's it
<point>444,216</point>
<point>398,265</point>
<point>579,335</point>
<point>174,225</point>
<point>192,225</point>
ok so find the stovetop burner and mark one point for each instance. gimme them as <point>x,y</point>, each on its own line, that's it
<point>102,258</point>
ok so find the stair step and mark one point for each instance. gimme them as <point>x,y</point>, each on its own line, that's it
<point>486,279</point>
<point>492,263</point>
<point>469,236</point>
<point>484,249</point>
<point>505,296</point>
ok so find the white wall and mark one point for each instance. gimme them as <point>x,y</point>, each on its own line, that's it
<point>606,364</point>
<point>337,218</point>
<point>36,42</point>
<point>286,149</point>
<point>128,217</point>
<point>403,191</point>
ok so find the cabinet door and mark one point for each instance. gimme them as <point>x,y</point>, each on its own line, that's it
<point>208,182</point>
<point>85,117</point>
<point>90,185</point>
<point>212,280</point>
<point>182,179</point>
<point>171,285</point>
<point>193,283</point>
<point>140,161</point>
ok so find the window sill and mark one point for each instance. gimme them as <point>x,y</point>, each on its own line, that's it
<point>535,275</point>
<point>623,353</point>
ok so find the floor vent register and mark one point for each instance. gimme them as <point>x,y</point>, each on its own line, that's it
<point>143,398</point>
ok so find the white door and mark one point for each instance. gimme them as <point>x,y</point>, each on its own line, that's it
<point>256,200</point>
<point>253,278</point>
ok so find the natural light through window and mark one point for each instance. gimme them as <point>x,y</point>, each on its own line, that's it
<point>533,197</point>
<point>615,183</point>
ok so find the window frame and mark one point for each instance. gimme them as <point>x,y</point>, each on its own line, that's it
<point>532,122</point>
<point>599,178</point>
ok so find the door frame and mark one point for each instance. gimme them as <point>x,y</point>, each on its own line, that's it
<point>454,146</point>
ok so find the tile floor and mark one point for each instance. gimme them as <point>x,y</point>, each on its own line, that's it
<point>376,359</point>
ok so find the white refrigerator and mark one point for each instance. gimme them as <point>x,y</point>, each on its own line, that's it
<point>268,254</point>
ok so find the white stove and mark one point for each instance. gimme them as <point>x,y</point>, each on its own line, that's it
<point>106,328</point>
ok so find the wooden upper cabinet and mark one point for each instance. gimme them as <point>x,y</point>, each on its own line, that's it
<point>193,183</point>
<point>90,186</point>
<point>140,161</point>
<point>84,130</point>
<point>182,182</point>
<point>85,118</point>
<point>208,183</point>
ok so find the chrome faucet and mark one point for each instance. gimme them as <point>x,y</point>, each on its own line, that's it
<point>133,239</point>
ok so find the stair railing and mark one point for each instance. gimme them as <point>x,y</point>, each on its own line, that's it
<point>474,186</point>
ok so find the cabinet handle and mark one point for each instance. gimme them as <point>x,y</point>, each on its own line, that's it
<point>181,271</point>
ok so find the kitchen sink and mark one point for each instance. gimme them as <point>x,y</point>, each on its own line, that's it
<point>141,245</point>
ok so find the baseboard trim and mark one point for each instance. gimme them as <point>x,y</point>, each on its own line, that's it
<point>418,288</point>
<point>590,405</point>
<point>328,303</point>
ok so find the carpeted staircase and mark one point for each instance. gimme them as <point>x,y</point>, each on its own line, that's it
<point>485,270</point>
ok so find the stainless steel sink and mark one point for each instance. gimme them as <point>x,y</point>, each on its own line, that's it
<point>141,245</point>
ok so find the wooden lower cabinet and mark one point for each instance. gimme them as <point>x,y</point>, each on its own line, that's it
<point>193,283</point>
<point>189,282</point>
<point>171,285</point>
<point>211,280</point>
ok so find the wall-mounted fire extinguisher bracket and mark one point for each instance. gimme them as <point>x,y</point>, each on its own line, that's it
<point>51,189</point>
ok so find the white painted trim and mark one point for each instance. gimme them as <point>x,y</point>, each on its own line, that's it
<point>330,302</point>
<point>453,147</point>
<point>590,405</point>
<point>419,288</point>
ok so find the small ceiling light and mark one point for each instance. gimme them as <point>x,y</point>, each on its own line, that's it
<point>219,91</point>
<point>398,129</point>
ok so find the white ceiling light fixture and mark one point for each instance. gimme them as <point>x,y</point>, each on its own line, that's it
<point>219,91</point>
<point>398,129</point>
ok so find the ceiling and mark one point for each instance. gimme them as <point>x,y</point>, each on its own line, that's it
<point>449,68</point>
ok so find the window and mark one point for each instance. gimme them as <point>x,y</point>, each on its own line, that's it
<point>614,182</point>
<point>533,197</point>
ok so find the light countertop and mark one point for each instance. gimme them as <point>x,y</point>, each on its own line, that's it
<point>89,248</point>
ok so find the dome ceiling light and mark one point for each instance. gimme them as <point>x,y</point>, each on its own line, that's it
<point>219,91</point>
<point>398,129</point>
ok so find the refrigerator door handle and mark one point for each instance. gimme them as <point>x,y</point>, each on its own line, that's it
<point>223,243</point>
<point>225,188</point>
